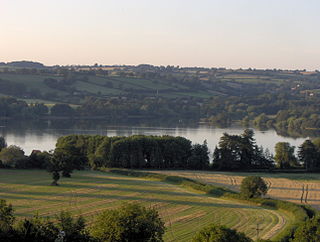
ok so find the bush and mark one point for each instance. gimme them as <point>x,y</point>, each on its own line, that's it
<point>13,157</point>
<point>131,222</point>
<point>214,233</point>
<point>253,186</point>
<point>36,229</point>
<point>75,229</point>
<point>308,231</point>
<point>6,216</point>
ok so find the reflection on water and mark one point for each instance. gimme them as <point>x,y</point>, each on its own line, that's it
<point>42,135</point>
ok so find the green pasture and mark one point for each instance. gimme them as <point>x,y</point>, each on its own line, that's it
<point>88,193</point>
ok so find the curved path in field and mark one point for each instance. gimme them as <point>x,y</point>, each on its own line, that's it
<point>88,193</point>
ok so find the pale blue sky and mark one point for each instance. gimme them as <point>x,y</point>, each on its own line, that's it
<point>212,33</point>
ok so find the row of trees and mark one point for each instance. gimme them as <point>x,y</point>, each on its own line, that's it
<point>240,152</point>
<point>139,151</point>
<point>235,152</point>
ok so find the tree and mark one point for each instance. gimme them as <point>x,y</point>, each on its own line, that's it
<point>62,110</point>
<point>13,157</point>
<point>131,222</point>
<point>253,186</point>
<point>6,221</point>
<point>54,167</point>
<point>309,231</point>
<point>309,155</point>
<point>237,151</point>
<point>215,233</point>
<point>3,143</point>
<point>37,229</point>
<point>285,157</point>
<point>199,158</point>
<point>6,216</point>
<point>38,159</point>
<point>74,229</point>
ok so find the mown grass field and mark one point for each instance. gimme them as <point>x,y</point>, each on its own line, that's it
<point>297,188</point>
<point>88,193</point>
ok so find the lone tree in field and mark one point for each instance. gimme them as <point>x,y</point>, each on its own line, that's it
<point>54,168</point>
<point>131,222</point>
<point>253,186</point>
<point>214,233</point>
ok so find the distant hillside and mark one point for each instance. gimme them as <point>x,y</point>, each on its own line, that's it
<point>73,84</point>
<point>23,64</point>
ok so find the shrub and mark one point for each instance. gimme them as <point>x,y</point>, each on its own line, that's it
<point>214,233</point>
<point>253,186</point>
<point>308,231</point>
<point>131,222</point>
<point>13,157</point>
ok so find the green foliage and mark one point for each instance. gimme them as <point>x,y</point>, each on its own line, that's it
<point>309,155</point>
<point>54,167</point>
<point>74,229</point>
<point>199,158</point>
<point>237,152</point>
<point>62,110</point>
<point>308,231</point>
<point>37,229</point>
<point>253,186</point>
<point>13,157</point>
<point>215,233</point>
<point>284,156</point>
<point>137,151</point>
<point>3,143</point>
<point>39,160</point>
<point>6,216</point>
<point>131,222</point>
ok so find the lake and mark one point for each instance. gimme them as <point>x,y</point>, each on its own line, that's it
<point>42,135</point>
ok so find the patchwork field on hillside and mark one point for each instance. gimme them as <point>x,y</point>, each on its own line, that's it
<point>88,193</point>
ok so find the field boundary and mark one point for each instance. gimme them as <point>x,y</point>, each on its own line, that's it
<point>300,212</point>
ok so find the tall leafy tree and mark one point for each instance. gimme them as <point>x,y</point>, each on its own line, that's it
<point>284,156</point>
<point>199,158</point>
<point>309,155</point>
<point>3,143</point>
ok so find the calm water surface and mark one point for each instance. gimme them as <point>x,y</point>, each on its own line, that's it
<point>43,136</point>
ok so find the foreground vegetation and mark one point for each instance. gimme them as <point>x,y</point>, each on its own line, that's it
<point>184,210</point>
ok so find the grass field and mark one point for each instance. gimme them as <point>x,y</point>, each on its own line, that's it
<point>88,193</point>
<point>297,188</point>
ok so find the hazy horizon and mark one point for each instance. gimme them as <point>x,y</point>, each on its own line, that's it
<point>231,34</point>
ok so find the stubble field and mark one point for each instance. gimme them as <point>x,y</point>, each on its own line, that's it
<point>88,193</point>
<point>297,188</point>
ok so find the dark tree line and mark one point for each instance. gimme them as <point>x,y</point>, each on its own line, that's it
<point>234,153</point>
<point>156,152</point>
<point>240,152</point>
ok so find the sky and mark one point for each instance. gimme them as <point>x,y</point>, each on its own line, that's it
<point>281,34</point>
